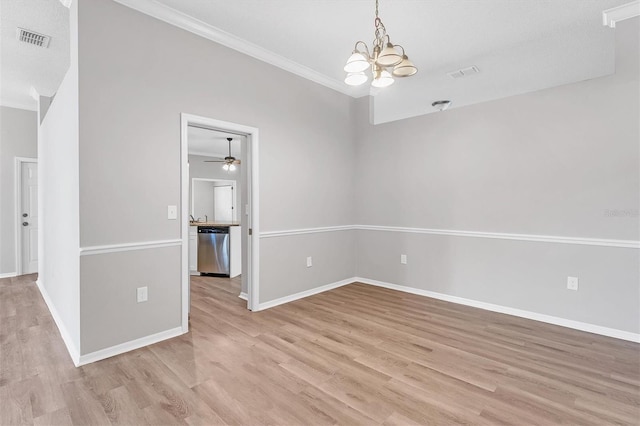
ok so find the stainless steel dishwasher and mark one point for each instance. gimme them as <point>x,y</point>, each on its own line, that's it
<point>213,250</point>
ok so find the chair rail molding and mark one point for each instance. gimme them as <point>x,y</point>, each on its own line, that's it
<point>632,244</point>
<point>114,248</point>
<point>616,14</point>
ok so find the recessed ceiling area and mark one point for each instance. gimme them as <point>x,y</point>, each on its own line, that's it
<point>519,46</point>
<point>213,143</point>
<point>25,65</point>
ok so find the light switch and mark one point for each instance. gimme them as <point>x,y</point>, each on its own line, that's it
<point>403,259</point>
<point>172,212</point>
<point>309,262</point>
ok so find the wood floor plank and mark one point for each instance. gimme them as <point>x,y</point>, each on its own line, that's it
<point>356,355</point>
<point>59,417</point>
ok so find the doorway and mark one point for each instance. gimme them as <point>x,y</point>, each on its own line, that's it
<point>26,180</point>
<point>246,215</point>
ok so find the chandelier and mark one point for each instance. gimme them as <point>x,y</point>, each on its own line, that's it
<point>386,61</point>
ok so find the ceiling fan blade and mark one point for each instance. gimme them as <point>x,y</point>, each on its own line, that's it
<point>236,162</point>
<point>214,161</point>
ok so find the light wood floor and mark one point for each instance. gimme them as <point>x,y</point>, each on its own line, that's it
<point>354,355</point>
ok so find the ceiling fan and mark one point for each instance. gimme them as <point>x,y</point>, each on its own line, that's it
<point>229,161</point>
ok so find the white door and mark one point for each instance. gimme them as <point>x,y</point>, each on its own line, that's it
<point>29,217</point>
<point>223,203</point>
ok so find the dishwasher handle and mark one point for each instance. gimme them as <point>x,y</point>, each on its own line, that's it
<point>213,230</point>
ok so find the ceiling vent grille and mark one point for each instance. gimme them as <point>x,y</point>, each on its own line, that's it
<point>464,72</point>
<point>34,38</point>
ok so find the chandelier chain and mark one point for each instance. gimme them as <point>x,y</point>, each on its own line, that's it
<point>376,8</point>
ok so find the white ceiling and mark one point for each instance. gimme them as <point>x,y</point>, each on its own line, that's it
<point>23,65</point>
<point>518,45</point>
<point>212,143</point>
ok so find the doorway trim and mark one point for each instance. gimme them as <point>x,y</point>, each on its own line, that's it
<point>252,190</point>
<point>17,180</point>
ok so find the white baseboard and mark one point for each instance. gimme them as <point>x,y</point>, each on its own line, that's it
<point>66,336</point>
<point>8,275</point>
<point>243,296</point>
<point>129,346</point>
<point>303,294</point>
<point>577,325</point>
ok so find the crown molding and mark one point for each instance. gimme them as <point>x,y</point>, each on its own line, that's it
<point>616,14</point>
<point>181,20</point>
<point>207,154</point>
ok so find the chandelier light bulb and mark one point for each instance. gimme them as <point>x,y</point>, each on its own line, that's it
<point>384,79</point>
<point>357,62</point>
<point>356,78</point>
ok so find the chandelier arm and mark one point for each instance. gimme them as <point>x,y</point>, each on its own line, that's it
<point>366,48</point>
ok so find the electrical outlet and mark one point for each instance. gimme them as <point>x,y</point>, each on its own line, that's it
<point>403,259</point>
<point>142,294</point>
<point>572,283</point>
<point>172,212</point>
<point>309,262</point>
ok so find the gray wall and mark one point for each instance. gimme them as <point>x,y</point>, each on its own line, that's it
<point>146,74</point>
<point>18,138</point>
<point>551,162</point>
<point>102,286</point>
<point>285,258</point>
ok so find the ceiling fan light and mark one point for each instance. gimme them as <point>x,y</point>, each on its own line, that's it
<point>389,56</point>
<point>357,62</point>
<point>232,167</point>
<point>405,68</point>
<point>356,78</point>
<point>225,167</point>
<point>383,79</point>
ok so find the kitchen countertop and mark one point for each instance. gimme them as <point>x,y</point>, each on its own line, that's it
<point>212,224</point>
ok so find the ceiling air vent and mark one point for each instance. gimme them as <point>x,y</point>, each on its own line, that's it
<point>34,38</point>
<point>464,72</point>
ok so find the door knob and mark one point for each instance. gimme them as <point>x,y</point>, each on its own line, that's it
<point>24,215</point>
<point>25,223</point>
